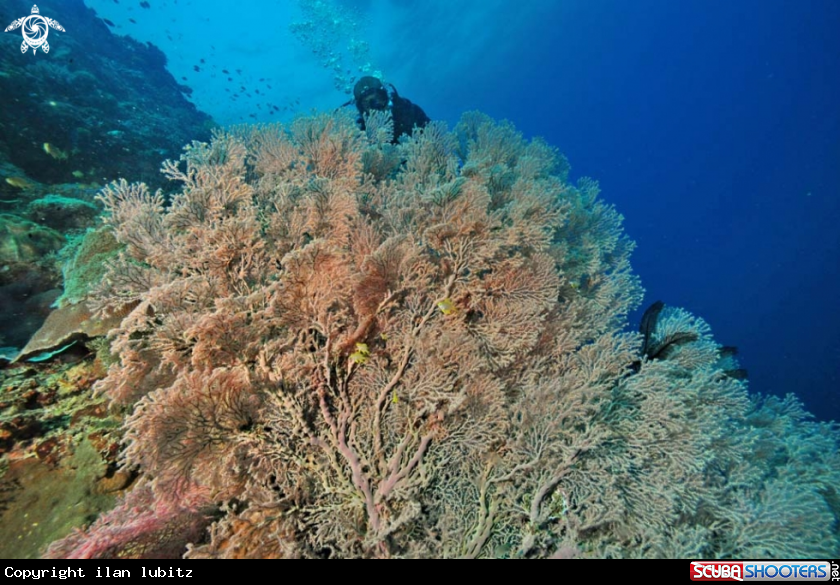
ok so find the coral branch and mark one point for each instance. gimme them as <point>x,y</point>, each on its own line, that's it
<point>353,348</point>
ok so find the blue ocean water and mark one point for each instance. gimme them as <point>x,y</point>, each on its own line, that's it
<point>714,127</point>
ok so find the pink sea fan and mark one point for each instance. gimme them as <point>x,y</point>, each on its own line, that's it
<point>142,526</point>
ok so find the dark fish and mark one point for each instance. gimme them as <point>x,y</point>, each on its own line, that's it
<point>268,86</point>
<point>131,20</point>
<point>225,71</point>
<point>196,68</point>
<point>202,61</point>
<point>664,347</point>
<point>230,78</point>
<point>184,78</point>
<point>648,325</point>
<point>728,351</point>
<point>108,22</point>
<point>145,4</point>
<point>239,71</point>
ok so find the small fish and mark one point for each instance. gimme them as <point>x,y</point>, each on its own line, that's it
<point>78,174</point>
<point>54,151</point>
<point>196,68</point>
<point>361,354</point>
<point>447,307</point>
<point>132,21</point>
<point>145,4</point>
<point>225,71</point>
<point>18,182</point>
<point>108,22</point>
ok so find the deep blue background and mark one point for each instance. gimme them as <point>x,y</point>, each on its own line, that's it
<point>712,125</point>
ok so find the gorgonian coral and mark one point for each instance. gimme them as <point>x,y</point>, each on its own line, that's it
<point>351,348</point>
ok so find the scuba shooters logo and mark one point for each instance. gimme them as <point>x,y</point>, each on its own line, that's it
<point>761,571</point>
<point>35,29</point>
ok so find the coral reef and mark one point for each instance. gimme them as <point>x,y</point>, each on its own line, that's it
<point>89,258</point>
<point>59,447</point>
<point>41,251</point>
<point>99,107</point>
<point>23,241</point>
<point>29,276</point>
<point>63,327</point>
<point>340,347</point>
<point>62,213</point>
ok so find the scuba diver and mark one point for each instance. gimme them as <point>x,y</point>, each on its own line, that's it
<point>370,94</point>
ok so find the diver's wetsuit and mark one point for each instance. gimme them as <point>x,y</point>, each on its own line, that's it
<point>405,114</point>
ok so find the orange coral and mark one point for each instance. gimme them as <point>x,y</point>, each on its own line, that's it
<point>509,424</point>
